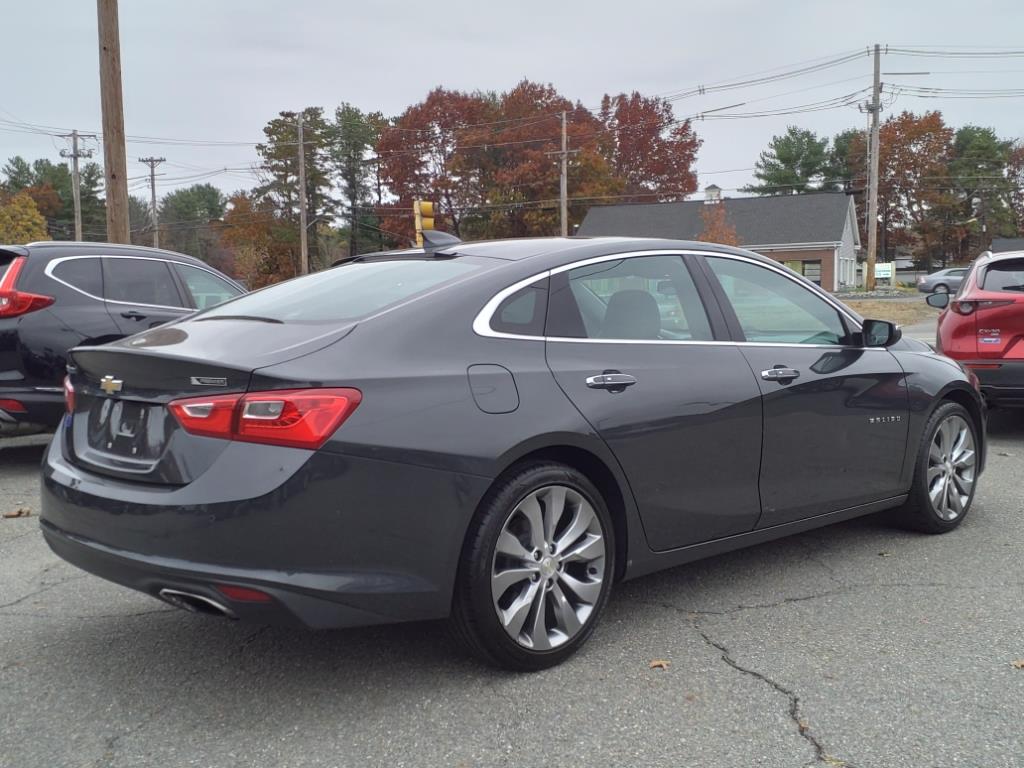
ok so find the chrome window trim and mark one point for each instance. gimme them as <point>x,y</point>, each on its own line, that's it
<point>482,322</point>
<point>48,271</point>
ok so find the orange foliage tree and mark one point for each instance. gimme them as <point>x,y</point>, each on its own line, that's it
<point>717,228</point>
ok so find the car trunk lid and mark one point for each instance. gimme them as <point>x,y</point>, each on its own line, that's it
<point>120,424</point>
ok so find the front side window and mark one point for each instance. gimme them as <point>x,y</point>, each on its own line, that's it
<point>139,281</point>
<point>772,308</point>
<point>207,289</point>
<point>643,297</point>
<point>1005,275</point>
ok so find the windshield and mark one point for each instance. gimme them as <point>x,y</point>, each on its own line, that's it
<point>349,292</point>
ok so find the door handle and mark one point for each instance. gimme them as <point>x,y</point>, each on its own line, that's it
<point>132,314</point>
<point>611,380</point>
<point>780,373</point>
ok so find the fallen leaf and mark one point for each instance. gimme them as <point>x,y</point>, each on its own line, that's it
<point>1018,664</point>
<point>803,725</point>
<point>19,512</point>
<point>659,664</point>
<point>1004,453</point>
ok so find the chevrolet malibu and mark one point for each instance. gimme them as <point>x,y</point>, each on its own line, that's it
<point>495,432</point>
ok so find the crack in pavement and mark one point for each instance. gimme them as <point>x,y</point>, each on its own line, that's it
<point>44,615</point>
<point>803,728</point>
<point>112,743</point>
<point>45,588</point>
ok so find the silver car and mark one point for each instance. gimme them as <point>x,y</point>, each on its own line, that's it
<point>943,281</point>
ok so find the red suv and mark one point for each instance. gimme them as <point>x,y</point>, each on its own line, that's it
<point>982,326</point>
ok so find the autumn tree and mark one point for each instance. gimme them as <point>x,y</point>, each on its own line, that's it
<point>20,220</point>
<point>50,187</point>
<point>251,233</point>
<point>717,228</point>
<point>417,156</point>
<point>1015,175</point>
<point>650,151</point>
<point>795,162</point>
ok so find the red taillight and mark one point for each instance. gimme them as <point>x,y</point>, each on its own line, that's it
<point>298,418</point>
<point>963,307</point>
<point>12,406</point>
<point>14,302</point>
<point>69,395</point>
<point>243,594</point>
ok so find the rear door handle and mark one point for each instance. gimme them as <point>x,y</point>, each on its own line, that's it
<point>611,380</point>
<point>780,373</point>
<point>132,314</point>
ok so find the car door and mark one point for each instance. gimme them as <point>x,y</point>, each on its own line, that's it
<point>835,412</point>
<point>632,343</point>
<point>203,288</point>
<point>141,293</point>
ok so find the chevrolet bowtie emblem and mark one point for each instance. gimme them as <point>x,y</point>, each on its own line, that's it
<point>110,385</point>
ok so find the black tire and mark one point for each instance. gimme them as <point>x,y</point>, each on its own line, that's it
<point>919,513</point>
<point>941,288</point>
<point>474,615</point>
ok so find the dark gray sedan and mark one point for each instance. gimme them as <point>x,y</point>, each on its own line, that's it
<point>495,432</point>
<point>943,281</point>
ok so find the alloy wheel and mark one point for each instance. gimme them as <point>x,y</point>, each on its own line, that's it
<point>951,467</point>
<point>548,568</point>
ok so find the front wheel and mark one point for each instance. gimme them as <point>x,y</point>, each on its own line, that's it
<point>945,474</point>
<point>940,288</point>
<point>536,569</point>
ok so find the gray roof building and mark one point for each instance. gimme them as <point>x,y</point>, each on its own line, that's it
<point>813,228</point>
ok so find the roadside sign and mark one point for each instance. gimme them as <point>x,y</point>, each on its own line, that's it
<point>883,270</point>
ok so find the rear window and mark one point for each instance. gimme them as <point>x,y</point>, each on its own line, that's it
<point>348,292</point>
<point>1005,276</point>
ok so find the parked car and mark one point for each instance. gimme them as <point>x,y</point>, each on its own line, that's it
<point>496,431</point>
<point>983,326</point>
<point>57,295</point>
<point>943,281</point>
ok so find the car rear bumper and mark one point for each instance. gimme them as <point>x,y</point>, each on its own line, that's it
<point>43,410</point>
<point>1001,386</point>
<point>341,541</point>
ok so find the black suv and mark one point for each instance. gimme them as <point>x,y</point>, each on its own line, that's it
<point>59,295</point>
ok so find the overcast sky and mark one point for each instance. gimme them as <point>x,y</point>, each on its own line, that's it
<point>219,69</point>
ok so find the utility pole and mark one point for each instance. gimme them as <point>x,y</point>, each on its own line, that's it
<point>153,162</point>
<point>564,179</point>
<point>303,245</point>
<point>875,107</point>
<point>76,185</point>
<point>114,163</point>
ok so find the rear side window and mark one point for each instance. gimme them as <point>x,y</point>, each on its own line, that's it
<point>207,289</point>
<point>84,274</point>
<point>139,281</point>
<point>523,312</point>
<point>643,297</point>
<point>1005,275</point>
<point>348,292</point>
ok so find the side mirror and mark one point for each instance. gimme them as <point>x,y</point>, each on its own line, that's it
<point>880,333</point>
<point>938,300</point>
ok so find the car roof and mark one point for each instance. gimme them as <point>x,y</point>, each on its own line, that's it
<point>990,258</point>
<point>548,251</point>
<point>89,248</point>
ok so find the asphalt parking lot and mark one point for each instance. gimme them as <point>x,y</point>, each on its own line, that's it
<point>854,645</point>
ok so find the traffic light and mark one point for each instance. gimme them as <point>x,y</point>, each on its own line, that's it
<point>424,212</point>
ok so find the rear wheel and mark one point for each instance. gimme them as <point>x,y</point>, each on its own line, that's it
<point>536,570</point>
<point>945,472</point>
<point>941,288</point>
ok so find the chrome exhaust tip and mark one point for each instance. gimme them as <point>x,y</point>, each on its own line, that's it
<point>193,603</point>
